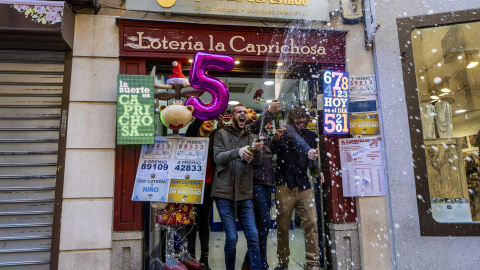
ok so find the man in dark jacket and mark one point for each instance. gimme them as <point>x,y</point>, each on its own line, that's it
<point>295,147</point>
<point>232,188</point>
<point>263,178</point>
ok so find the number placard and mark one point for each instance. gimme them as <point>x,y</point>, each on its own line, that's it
<point>167,159</point>
<point>191,168</point>
<point>191,149</point>
<point>335,102</point>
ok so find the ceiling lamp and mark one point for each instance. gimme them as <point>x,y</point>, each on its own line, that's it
<point>434,97</point>
<point>460,111</point>
<point>471,62</point>
<point>233,102</point>
<point>268,82</point>
<point>445,87</point>
<point>237,62</point>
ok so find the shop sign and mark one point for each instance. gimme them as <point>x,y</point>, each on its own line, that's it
<point>335,102</point>
<point>364,124</point>
<point>362,85</point>
<point>173,169</point>
<point>154,39</point>
<point>262,9</point>
<point>135,112</point>
<point>363,173</point>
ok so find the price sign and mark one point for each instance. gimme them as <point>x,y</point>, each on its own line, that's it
<point>191,149</point>
<point>335,102</point>
<point>189,169</point>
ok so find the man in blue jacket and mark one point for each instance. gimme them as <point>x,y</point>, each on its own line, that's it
<point>296,149</point>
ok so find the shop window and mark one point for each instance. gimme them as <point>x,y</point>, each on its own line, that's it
<point>442,87</point>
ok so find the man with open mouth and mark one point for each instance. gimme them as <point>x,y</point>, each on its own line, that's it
<point>232,188</point>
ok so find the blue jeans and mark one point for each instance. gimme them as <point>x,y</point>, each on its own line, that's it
<point>262,202</point>
<point>246,217</point>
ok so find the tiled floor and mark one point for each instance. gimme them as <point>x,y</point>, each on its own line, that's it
<point>297,249</point>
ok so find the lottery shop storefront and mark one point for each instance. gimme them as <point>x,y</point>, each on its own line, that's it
<point>304,53</point>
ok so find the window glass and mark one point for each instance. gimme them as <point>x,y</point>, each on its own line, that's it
<point>448,81</point>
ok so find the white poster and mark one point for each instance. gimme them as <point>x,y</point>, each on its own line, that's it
<point>169,158</point>
<point>362,85</point>
<point>363,173</point>
<point>451,210</point>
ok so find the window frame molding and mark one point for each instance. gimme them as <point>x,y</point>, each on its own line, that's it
<point>428,225</point>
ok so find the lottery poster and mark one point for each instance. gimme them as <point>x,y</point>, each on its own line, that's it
<point>335,102</point>
<point>363,173</point>
<point>172,169</point>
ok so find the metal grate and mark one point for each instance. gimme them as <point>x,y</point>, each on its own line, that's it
<point>30,104</point>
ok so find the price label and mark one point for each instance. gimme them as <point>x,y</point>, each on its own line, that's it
<point>335,102</point>
<point>191,149</point>
<point>161,149</point>
<point>189,169</point>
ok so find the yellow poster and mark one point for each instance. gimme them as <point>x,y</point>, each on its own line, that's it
<point>185,191</point>
<point>312,123</point>
<point>364,124</point>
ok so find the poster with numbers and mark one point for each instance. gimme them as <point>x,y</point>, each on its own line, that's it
<point>335,102</point>
<point>173,169</point>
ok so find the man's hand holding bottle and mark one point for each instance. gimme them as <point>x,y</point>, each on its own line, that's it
<point>313,154</point>
<point>247,152</point>
<point>274,107</point>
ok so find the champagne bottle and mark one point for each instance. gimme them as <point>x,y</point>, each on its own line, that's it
<point>314,171</point>
<point>278,117</point>
<point>250,148</point>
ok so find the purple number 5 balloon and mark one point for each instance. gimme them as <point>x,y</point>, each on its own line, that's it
<point>200,80</point>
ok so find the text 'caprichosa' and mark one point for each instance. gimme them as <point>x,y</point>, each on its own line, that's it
<point>236,44</point>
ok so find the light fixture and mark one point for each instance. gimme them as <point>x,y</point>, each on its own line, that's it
<point>233,102</point>
<point>434,97</point>
<point>237,62</point>
<point>279,64</point>
<point>443,94</point>
<point>269,82</point>
<point>470,58</point>
<point>445,88</point>
<point>191,60</point>
<point>460,111</point>
<point>471,62</point>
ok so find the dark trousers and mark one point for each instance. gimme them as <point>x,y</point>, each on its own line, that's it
<point>262,203</point>
<point>201,224</point>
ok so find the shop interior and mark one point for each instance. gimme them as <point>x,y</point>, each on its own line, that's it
<point>448,81</point>
<point>275,81</point>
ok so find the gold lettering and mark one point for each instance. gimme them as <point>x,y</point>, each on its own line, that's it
<point>231,43</point>
<point>140,34</point>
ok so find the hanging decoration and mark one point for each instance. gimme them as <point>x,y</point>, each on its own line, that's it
<point>200,80</point>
